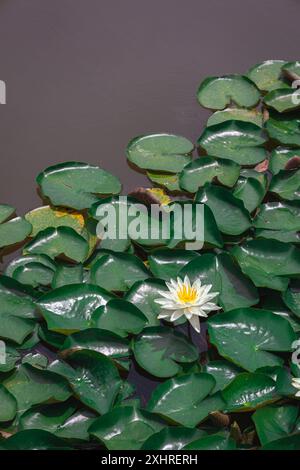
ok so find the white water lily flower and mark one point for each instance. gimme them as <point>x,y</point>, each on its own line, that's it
<point>296,384</point>
<point>192,301</point>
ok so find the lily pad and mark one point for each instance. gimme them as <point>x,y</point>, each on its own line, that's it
<point>282,100</point>
<point>248,392</point>
<point>231,216</point>
<point>205,169</point>
<point>236,114</point>
<point>6,212</point>
<point>143,294</point>
<point>160,152</point>
<point>223,372</point>
<point>235,289</point>
<point>251,188</point>
<point>119,316</point>
<point>66,275</point>
<point>35,439</point>
<point>219,92</point>
<point>292,297</point>
<point>284,128</point>
<point>8,405</point>
<point>55,242</point>
<point>166,180</point>
<point>278,216</point>
<point>70,308</point>
<point>172,438</point>
<point>286,184</point>
<point>166,264</point>
<point>44,217</point>
<point>103,341</point>
<point>185,400</point>
<point>93,377</point>
<point>269,263</point>
<point>76,185</point>
<point>292,70</point>
<point>118,271</point>
<point>275,422</point>
<point>268,75</point>
<point>249,337</point>
<point>218,441</point>
<point>161,351</point>
<point>125,428</point>
<point>14,231</point>
<point>281,157</point>
<point>244,142</point>
<point>31,386</point>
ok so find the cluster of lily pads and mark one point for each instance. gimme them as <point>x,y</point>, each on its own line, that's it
<point>78,314</point>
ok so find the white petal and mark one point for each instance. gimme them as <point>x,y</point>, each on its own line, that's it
<point>209,307</point>
<point>194,321</point>
<point>163,315</point>
<point>177,314</point>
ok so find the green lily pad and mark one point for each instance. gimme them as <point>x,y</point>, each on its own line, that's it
<point>244,142</point>
<point>160,152</point>
<point>34,274</point>
<point>219,92</point>
<point>172,438</point>
<point>76,185</point>
<point>251,188</point>
<point>249,337</point>
<point>269,263</point>
<point>44,217</point>
<point>103,341</point>
<point>278,216</point>
<point>185,400</point>
<point>23,261</point>
<point>76,426</point>
<point>235,289</point>
<point>15,328</point>
<point>284,128</point>
<point>236,114</point>
<point>6,212</point>
<point>194,227</point>
<point>35,439</point>
<point>119,316</point>
<point>166,264</point>
<point>275,422</point>
<point>70,308</point>
<point>46,417</point>
<point>14,231</point>
<point>231,216</point>
<point>16,299</point>
<point>143,294</point>
<point>93,377</point>
<point>280,157</point>
<point>292,297</point>
<point>218,441</point>
<point>291,442</point>
<point>125,428</point>
<point>11,357</point>
<point>161,351</point>
<point>8,405</point>
<point>166,180</point>
<point>280,235</point>
<point>118,271</point>
<point>286,184</point>
<point>66,275</point>
<point>248,392</point>
<point>59,241</point>
<point>282,100</point>
<point>268,75</point>
<point>205,169</point>
<point>223,372</point>
<point>31,386</point>
<point>292,70</point>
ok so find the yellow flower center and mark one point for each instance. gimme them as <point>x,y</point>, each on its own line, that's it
<point>187,294</point>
